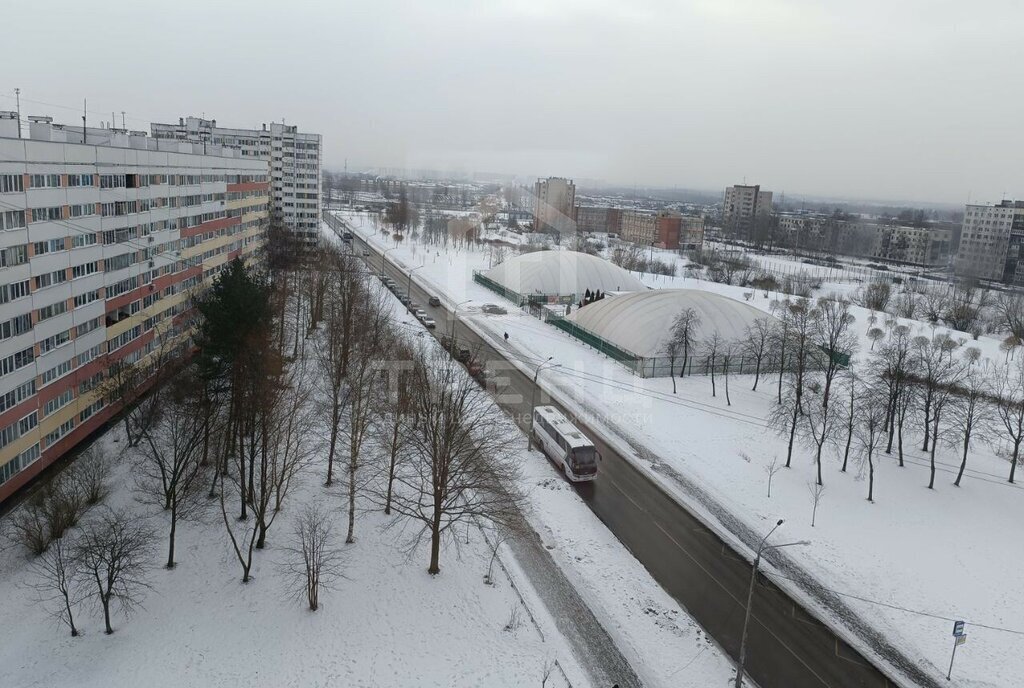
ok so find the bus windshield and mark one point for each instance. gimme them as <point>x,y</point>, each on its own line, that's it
<point>584,457</point>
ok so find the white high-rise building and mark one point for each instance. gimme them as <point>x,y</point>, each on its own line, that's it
<point>105,235</point>
<point>743,208</point>
<point>294,158</point>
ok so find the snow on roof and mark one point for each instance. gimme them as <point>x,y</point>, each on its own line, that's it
<point>641,322</point>
<point>570,432</point>
<point>562,272</point>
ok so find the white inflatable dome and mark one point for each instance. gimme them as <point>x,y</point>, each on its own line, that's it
<point>641,322</point>
<point>563,273</point>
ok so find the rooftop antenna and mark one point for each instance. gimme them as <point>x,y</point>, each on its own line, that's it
<point>17,96</point>
<point>123,125</point>
<point>85,112</point>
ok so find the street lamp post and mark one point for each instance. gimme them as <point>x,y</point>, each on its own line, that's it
<point>455,316</point>
<point>533,398</point>
<point>408,289</point>
<point>750,598</point>
<point>383,258</point>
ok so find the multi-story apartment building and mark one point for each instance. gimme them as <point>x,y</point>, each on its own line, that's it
<point>554,205</point>
<point>930,245</point>
<point>663,229</point>
<point>294,159</point>
<point>603,219</point>
<point>744,208</point>
<point>103,235</point>
<point>992,242</point>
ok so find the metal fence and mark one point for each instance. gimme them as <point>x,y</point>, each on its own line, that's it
<point>610,350</point>
<point>499,289</point>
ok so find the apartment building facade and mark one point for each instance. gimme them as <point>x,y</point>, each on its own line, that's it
<point>295,165</point>
<point>602,219</point>
<point>554,205</point>
<point>663,229</point>
<point>930,246</point>
<point>104,234</point>
<point>992,243</point>
<point>744,208</point>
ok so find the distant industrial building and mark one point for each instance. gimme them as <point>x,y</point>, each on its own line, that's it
<point>663,229</point>
<point>554,205</point>
<point>602,219</point>
<point>744,208</point>
<point>991,243</point>
<point>294,159</point>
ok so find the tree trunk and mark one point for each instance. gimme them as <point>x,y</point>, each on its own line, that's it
<point>672,373</point>
<point>792,433</point>
<point>261,541</point>
<point>106,614</point>
<point>927,421</point>
<point>871,479</point>
<point>170,543</point>
<point>350,537</point>
<point>435,546</point>
<point>935,441</point>
<point>391,469</point>
<point>963,461</point>
<point>757,374</point>
<point>1013,460</point>
<point>333,445</point>
<point>712,366</point>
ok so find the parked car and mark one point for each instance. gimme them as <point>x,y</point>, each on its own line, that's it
<point>494,309</point>
<point>428,322</point>
<point>404,298</point>
<point>415,307</point>
<point>418,312</point>
<point>366,253</point>
<point>434,301</point>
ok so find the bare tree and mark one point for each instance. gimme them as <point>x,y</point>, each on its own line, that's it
<point>91,474</point>
<point>395,413</point>
<point>114,551</point>
<point>756,345</point>
<point>819,423</point>
<point>937,378</point>
<point>462,465</point>
<point>314,562</point>
<point>852,390</point>
<point>1009,308</point>
<point>712,346</point>
<point>799,327</point>
<point>870,430</point>
<point>1008,389</point>
<point>56,571</point>
<point>832,333</point>
<point>347,293</point>
<point>771,469</point>
<point>671,348</point>
<point>816,490</point>
<point>970,413</point>
<point>876,334</point>
<point>893,367</point>
<point>685,327</point>
<point>363,383</point>
<point>169,470</point>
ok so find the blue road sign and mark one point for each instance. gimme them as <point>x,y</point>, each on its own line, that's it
<point>958,628</point>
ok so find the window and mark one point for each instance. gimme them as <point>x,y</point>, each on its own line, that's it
<point>87,327</point>
<point>59,401</point>
<point>17,395</point>
<point>89,410</point>
<point>50,343</point>
<point>53,437</point>
<point>18,463</point>
<point>118,262</point>
<point>17,325</point>
<point>16,361</point>
<point>80,240</point>
<point>88,297</point>
<point>57,372</point>
<point>54,309</point>
<point>82,210</point>
<point>91,354</point>
<point>15,255</point>
<point>12,219</point>
<point>11,183</point>
<point>79,180</point>
<point>15,290</point>
<point>18,428</point>
<point>47,214</point>
<point>111,181</point>
<point>44,181</point>
<point>84,269</point>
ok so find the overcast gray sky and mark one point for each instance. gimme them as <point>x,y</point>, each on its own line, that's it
<point>887,99</point>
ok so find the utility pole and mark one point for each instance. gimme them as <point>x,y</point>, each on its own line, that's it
<point>123,126</point>
<point>17,97</point>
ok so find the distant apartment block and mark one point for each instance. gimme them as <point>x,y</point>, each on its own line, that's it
<point>602,219</point>
<point>103,235</point>
<point>295,165</point>
<point>743,207</point>
<point>926,246</point>
<point>991,242</point>
<point>663,229</point>
<point>554,205</point>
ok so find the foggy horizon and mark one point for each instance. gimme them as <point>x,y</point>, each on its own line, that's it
<point>822,100</point>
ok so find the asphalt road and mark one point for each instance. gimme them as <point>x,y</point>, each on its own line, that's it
<point>787,647</point>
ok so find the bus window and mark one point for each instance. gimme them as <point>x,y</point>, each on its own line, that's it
<point>584,457</point>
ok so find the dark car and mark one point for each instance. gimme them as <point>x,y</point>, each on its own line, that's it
<point>434,301</point>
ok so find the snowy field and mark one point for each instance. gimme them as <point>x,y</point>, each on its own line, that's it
<point>908,564</point>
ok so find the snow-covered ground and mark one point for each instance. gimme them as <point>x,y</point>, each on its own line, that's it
<point>388,623</point>
<point>908,564</point>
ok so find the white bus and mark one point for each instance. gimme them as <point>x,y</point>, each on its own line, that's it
<point>564,444</point>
